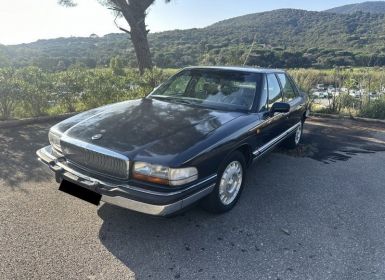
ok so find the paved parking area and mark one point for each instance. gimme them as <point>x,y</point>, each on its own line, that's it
<point>314,213</point>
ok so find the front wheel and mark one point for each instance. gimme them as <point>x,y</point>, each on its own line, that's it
<point>231,178</point>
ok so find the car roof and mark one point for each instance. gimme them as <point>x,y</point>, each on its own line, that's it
<point>237,68</point>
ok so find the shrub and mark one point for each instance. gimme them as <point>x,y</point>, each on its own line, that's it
<point>375,109</point>
<point>36,89</point>
<point>9,93</point>
<point>102,87</point>
<point>68,86</point>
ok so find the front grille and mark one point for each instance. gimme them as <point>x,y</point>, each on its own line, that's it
<point>94,161</point>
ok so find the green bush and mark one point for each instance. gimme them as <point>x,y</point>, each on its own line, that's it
<point>374,109</point>
<point>36,87</point>
<point>102,87</point>
<point>68,86</point>
<point>29,91</point>
<point>10,93</point>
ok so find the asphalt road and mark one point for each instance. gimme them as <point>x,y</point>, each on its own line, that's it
<point>314,213</point>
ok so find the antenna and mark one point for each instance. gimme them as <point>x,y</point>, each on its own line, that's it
<point>251,48</point>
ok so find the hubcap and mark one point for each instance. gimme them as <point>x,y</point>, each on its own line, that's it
<point>231,182</point>
<point>298,134</point>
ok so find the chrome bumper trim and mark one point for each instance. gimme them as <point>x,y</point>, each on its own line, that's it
<point>59,167</point>
<point>157,210</point>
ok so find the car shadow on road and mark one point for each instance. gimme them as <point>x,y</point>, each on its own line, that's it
<point>18,161</point>
<point>199,245</point>
<point>338,140</point>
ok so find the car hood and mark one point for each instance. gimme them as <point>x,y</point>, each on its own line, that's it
<point>148,127</point>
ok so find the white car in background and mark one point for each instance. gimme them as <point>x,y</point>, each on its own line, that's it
<point>355,93</point>
<point>333,92</point>
<point>374,95</point>
<point>320,94</point>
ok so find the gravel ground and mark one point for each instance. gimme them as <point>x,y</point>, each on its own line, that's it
<point>314,213</point>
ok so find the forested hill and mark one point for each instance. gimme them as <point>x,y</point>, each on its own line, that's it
<point>374,7</point>
<point>284,38</point>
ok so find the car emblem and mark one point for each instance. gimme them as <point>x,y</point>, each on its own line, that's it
<point>97,136</point>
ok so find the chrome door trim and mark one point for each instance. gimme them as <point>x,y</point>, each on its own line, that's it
<point>268,146</point>
<point>269,121</point>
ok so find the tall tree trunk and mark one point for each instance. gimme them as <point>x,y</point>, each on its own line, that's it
<point>141,46</point>
<point>134,11</point>
<point>135,15</point>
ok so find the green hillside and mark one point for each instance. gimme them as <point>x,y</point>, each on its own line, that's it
<point>284,38</point>
<point>374,7</point>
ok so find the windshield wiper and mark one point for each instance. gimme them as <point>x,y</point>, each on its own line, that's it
<point>184,101</point>
<point>176,99</point>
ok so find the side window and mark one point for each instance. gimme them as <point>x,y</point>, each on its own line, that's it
<point>288,90</point>
<point>263,100</point>
<point>294,85</point>
<point>274,89</point>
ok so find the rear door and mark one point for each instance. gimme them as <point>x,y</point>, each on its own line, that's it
<point>291,96</point>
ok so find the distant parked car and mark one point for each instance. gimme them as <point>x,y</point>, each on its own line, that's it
<point>374,95</point>
<point>333,92</point>
<point>192,138</point>
<point>320,94</point>
<point>355,94</point>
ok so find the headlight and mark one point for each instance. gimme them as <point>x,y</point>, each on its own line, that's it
<point>164,175</point>
<point>54,140</point>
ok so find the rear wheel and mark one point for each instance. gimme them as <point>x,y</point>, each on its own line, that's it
<point>231,178</point>
<point>295,139</point>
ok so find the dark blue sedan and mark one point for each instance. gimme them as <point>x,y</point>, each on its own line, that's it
<point>192,139</point>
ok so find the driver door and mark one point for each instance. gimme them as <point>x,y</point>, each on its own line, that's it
<point>273,125</point>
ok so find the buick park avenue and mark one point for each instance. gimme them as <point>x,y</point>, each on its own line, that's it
<point>191,140</point>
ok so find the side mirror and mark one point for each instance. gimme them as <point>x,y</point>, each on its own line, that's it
<point>280,107</point>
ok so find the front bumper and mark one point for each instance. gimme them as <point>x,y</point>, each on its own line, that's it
<point>127,196</point>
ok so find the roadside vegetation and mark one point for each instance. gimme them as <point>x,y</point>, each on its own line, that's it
<point>356,92</point>
<point>31,92</point>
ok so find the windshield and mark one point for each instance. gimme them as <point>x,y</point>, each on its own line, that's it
<point>218,89</point>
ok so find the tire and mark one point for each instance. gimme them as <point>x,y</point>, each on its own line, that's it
<point>221,200</point>
<point>295,139</point>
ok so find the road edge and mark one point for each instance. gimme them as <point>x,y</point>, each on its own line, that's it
<point>331,116</point>
<point>15,123</point>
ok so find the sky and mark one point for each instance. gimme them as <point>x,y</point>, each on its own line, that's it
<point>23,21</point>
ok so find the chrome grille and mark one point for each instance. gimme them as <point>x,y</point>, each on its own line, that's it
<point>94,161</point>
